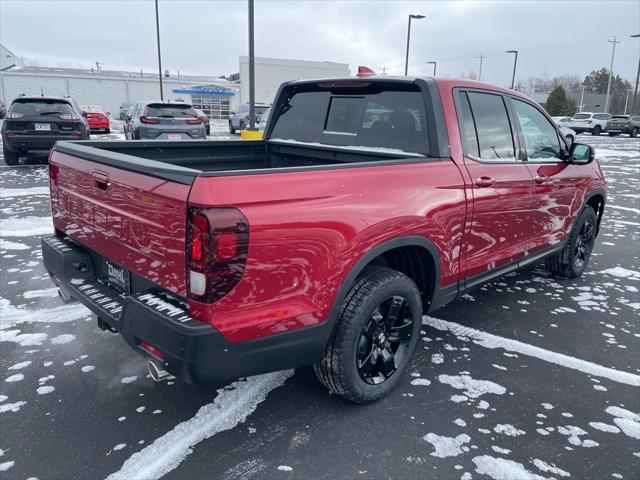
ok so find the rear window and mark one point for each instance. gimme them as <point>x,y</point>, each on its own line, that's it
<point>260,110</point>
<point>164,110</point>
<point>40,107</point>
<point>620,117</point>
<point>582,116</point>
<point>93,108</point>
<point>390,119</point>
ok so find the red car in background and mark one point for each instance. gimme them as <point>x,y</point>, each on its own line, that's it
<point>97,118</point>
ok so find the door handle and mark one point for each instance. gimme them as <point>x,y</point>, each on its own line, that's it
<point>485,182</point>
<point>541,179</point>
<point>101,180</point>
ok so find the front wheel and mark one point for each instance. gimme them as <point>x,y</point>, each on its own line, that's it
<point>634,133</point>
<point>597,130</point>
<point>572,261</point>
<point>376,334</point>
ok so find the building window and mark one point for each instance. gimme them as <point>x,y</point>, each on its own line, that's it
<point>214,106</point>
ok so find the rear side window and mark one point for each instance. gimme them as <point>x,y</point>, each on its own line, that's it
<point>468,128</point>
<point>582,116</point>
<point>40,107</point>
<point>602,116</point>
<point>163,110</point>
<point>495,139</point>
<point>389,119</point>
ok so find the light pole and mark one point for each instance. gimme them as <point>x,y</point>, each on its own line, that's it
<point>406,58</point>
<point>252,86</point>
<point>626,101</point>
<point>635,92</point>
<point>434,67</point>
<point>515,64</point>
<point>481,57</point>
<point>613,54</point>
<point>581,106</point>
<point>159,56</point>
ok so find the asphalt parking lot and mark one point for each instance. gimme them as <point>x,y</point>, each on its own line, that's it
<point>529,377</point>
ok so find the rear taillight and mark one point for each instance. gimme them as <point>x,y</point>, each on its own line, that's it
<point>69,116</point>
<point>152,121</point>
<point>194,121</point>
<point>14,115</point>
<point>217,251</point>
<point>156,352</point>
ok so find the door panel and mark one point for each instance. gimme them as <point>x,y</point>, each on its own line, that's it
<point>501,186</point>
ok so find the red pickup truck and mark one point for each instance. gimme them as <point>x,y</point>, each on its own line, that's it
<point>368,203</point>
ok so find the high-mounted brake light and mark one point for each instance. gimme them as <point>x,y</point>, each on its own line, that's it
<point>365,71</point>
<point>14,115</point>
<point>216,252</point>
<point>347,83</point>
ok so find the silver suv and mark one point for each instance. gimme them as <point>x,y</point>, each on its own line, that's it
<point>240,119</point>
<point>164,121</point>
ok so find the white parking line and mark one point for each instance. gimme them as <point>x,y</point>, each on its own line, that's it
<point>489,340</point>
<point>229,408</point>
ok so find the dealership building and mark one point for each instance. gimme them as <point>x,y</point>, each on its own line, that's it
<point>216,96</point>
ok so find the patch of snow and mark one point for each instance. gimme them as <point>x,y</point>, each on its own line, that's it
<point>284,468</point>
<point>420,381</point>
<point>621,272</point>
<point>6,466</point>
<point>47,292</point>
<point>447,446</point>
<point>22,339</point>
<point>472,388</point>
<point>8,245</point>
<point>120,446</point>
<point>604,427</point>
<point>460,422</point>
<point>437,358</point>
<point>129,379</point>
<point>87,368</point>
<point>545,467</point>
<point>11,407</point>
<point>508,429</point>
<point>503,469</point>
<point>16,377</point>
<point>231,407</point>
<point>503,451</point>
<point>626,420</point>
<point>20,365</point>
<point>12,315</point>
<point>26,226</point>
<point>22,192</point>
<point>62,339</point>
<point>45,389</point>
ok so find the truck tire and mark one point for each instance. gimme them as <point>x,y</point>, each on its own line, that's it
<point>634,132</point>
<point>597,130</point>
<point>572,261</point>
<point>10,158</point>
<point>375,336</point>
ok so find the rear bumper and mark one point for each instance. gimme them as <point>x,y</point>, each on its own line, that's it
<point>24,143</point>
<point>193,351</point>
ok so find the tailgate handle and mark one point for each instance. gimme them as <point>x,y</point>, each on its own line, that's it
<point>101,180</point>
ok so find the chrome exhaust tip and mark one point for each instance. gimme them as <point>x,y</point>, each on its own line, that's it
<point>64,297</point>
<point>157,373</point>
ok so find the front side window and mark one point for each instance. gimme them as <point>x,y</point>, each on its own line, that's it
<point>582,116</point>
<point>495,139</point>
<point>540,136</point>
<point>602,116</point>
<point>467,127</point>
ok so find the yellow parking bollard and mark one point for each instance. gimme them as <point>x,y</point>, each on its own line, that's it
<point>251,135</point>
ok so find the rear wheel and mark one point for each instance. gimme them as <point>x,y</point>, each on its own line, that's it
<point>107,131</point>
<point>231,129</point>
<point>10,158</point>
<point>634,132</point>
<point>242,126</point>
<point>375,337</point>
<point>597,130</point>
<point>572,261</point>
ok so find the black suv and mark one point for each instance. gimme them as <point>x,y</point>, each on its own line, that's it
<point>36,123</point>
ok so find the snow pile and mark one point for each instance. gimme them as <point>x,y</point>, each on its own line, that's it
<point>503,469</point>
<point>621,272</point>
<point>232,406</point>
<point>545,467</point>
<point>509,430</point>
<point>472,388</point>
<point>626,420</point>
<point>447,446</point>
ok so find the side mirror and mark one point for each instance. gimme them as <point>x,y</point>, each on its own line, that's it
<point>581,154</point>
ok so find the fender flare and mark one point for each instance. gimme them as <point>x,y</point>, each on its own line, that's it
<point>589,196</point>
<point>406,241</point>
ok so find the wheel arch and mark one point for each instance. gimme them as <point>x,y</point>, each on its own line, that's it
<point>596,200</point>
<point>415,256</point>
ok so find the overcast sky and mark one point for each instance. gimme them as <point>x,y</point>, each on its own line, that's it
<point>207,36</point>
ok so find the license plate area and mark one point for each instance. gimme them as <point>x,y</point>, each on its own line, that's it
<point>43,126</point>
<point>174,136</point>
<point>117,277</point>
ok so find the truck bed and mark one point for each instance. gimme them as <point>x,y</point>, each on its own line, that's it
<point>182,161</point>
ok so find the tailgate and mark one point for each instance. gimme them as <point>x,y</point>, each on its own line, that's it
<point>135,220</point>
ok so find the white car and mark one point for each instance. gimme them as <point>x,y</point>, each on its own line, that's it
<point>594,123</point>
<point>569,134</point>
<point>562,121</point>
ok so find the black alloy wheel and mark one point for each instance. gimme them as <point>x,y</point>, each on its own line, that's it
<point>384,340</point>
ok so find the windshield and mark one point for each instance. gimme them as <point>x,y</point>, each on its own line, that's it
<point>260,110</point>
<point>265,116</point>
<point>40,107</point>
<point>92,108</point>
<point>165,110</point>
<point>581,116</point>
<point>356,117</point>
